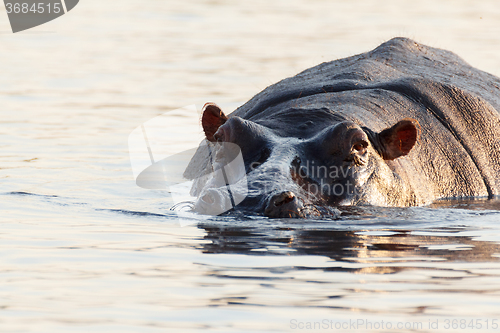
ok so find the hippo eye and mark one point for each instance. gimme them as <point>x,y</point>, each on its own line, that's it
<point>360,146</point>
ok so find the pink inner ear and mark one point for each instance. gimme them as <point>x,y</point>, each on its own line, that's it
<point>212,119</point>
<point>399,139</point>
<point>406,138</point>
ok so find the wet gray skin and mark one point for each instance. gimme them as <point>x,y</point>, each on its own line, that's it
<point>402,125</point>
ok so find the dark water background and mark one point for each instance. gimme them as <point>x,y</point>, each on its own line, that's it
<point>84,250</point>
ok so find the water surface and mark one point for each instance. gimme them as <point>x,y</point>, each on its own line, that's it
<point>84,249</point>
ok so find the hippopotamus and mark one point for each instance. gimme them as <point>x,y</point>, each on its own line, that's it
<point>402,125</point>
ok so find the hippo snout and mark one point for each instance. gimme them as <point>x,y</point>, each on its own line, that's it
<point>284,204</point>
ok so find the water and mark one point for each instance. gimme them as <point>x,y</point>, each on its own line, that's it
<point>84,249</point>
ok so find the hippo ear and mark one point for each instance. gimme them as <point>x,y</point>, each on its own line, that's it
<point>212,118</point>
<point>399,139</point>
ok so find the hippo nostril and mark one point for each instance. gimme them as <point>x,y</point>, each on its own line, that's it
<point>284,204</point>
<point>283,198</point>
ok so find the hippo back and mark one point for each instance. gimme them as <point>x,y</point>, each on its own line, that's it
<point>455,104</point>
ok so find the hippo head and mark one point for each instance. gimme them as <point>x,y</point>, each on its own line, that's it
<point>339,164</point>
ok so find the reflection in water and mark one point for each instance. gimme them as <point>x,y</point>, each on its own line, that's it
<point>399,261</point>
<point>348,245</point>
<point>373,262</point>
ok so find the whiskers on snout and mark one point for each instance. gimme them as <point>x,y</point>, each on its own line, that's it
<point>183,206</point>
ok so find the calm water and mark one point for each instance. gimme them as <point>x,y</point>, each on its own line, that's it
<point>83,249</point>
